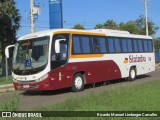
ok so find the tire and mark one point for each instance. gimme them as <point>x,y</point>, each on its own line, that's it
<point>132,74</point>
<point>78,83</point>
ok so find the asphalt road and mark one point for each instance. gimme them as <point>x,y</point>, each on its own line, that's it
<point>30,100</point>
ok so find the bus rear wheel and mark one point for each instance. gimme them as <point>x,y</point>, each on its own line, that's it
<point>78,83</point>
<point>132,74</point>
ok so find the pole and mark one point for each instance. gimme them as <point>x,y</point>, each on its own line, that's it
<point>6,68</point>
<point>61,9</point>
<point>146,12</point>
<point>6,58</point>
<point>31,16</point>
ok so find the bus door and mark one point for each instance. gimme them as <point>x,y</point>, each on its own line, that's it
<point>58,60</point>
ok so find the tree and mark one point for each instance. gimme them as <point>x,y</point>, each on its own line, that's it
<point>129,26</point>
<point>137,26</point>
<point>140,23</point>
<point>99,26</point>
<point>79,26</point>
<point>9,24</point>
<point>109,24</point>
<point>156,44</point>
<point>134,27</point>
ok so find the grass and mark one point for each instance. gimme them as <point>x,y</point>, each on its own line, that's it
<point>9,104</point>
<point>144,97</point>
<point>141,97</point>
<point>3,80</point>
<point>0,63</point>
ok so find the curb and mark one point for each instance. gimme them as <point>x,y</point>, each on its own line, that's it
<point>7,85</point>
<point>6,90</point>
<point>158,65</point>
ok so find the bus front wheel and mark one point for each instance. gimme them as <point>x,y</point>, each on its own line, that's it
<point>132,74</point>
<point>78,83</point>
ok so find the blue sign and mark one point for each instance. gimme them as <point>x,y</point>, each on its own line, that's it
<point>55,14</point>
<point>54,1</point>
<point>28,63</point>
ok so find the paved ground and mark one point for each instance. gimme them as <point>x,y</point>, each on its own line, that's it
<point>30,100</point>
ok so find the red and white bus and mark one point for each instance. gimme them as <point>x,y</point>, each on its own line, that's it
<point>62,58</point>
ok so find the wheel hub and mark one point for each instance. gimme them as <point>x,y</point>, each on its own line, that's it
<point>133,73</point>
<point>78,82</point>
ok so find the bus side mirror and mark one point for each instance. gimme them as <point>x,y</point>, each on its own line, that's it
<point>57,45</point>
<point>7,50</point>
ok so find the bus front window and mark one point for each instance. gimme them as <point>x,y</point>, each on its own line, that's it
<point>30,56</point>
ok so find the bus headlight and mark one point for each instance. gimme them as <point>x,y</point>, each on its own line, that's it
<point>14,80</point>
<point>42,78</point>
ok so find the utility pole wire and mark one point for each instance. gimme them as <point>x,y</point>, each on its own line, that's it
<point>146,13</point>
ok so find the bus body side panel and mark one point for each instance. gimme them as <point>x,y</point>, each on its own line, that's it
<point>95,71</point>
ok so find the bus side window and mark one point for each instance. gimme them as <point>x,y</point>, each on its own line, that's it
<point>150,45</point>
<point>86,44</point>
<point>140,45</point>
<point>124,45</point>
<point>63,53</point>
<point>117,45</point>
<point>111,45</point>
<point>96,48</point>
<point>76,45</point>
<point>102,44</point>
<point>145,46</point>
<point>54,56</point>
<point>129,44</point>
<point>135,45</point>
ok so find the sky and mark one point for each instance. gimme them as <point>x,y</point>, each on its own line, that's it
<point>89,13</point>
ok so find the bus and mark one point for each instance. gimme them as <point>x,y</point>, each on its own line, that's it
<point>69,58</point>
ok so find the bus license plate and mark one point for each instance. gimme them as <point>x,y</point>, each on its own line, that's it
<point>25,86</point>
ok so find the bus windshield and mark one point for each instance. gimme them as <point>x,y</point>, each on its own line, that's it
<point>30,56</point>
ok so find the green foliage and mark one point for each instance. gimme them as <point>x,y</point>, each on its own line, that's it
<point>135,97</point>
<point>99,26</point>
<point>9,19</point>
<point>9,104</point>
<point>134,27</point>
<point>141,97</point>
<point>156,44</point>
<point>140,23</point>
<point>129,26</point>
<point>3,80</point>
<point>9,24</point>
<point>109,24</point>
<point>79,26</point>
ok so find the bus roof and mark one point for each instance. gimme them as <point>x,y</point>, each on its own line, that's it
<point>102,32</point>
<point>52,31</point>
<point>119,33</point>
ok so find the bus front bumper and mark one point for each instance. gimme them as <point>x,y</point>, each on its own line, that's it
<point>34,86</point>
